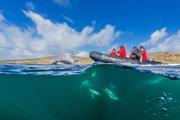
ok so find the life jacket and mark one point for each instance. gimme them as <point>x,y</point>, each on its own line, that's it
<point>144,55</point>
<point>122,52</point>
<point>113,53</point>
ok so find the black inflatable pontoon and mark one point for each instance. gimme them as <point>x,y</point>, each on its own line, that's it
<point>96,56</point>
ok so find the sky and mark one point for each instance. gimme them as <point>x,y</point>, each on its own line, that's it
<point>35,28</point>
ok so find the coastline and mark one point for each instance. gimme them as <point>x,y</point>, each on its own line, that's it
<point>47,60</point>
<point>164,57</point>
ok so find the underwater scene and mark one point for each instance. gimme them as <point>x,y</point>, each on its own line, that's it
<point>89,92</point>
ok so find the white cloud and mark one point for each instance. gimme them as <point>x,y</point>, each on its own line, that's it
<point>48,38</point>
<point>68,19</point>
<point>1,17</point>
<point>115,46</point>
<point>82,54</point>
<point>156,37</point>
<point>62,2</point>
<point>161,41</point>
<point>104,37</point>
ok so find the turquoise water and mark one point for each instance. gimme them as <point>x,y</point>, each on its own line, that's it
<point>101,92</point>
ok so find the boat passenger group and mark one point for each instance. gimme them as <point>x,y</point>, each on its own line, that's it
<point>139,54</point>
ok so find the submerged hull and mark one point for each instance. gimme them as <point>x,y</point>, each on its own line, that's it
<point>100,57</point>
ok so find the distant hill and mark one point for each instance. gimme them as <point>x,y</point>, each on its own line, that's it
<point>48,60</point>
<point>44,60</point>
<point>165,57</point>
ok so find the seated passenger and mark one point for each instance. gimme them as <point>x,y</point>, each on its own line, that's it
<point>144,53</point>
<point>113,53</point>
<point>136,54</point>
<point>122,51</point>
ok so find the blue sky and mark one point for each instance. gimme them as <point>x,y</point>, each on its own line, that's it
<point>136,20</point>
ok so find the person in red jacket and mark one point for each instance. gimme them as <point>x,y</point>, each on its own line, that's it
<point>122,51</point>
<point>113,53</point>
<point>144,53</point>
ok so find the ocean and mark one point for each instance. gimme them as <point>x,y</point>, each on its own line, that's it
<point>89,92</point>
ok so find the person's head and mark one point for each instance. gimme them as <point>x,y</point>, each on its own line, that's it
<point>142,47</point>
<point>134,48</point>
<point>122,47</point>
<point>114,49</point>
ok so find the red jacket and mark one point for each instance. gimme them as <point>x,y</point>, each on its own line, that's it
<point>113,53</point>
<point>144,55</point>
<point>122,52</point>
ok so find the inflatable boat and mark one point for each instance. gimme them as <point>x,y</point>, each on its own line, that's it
<point>105,58</point>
